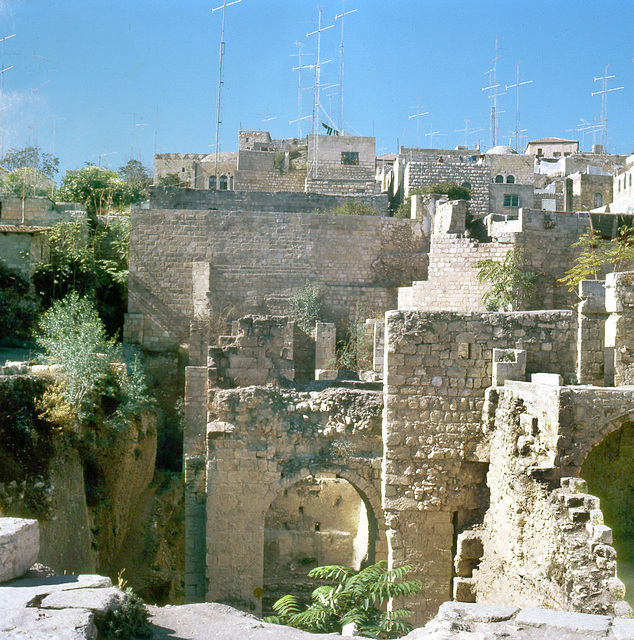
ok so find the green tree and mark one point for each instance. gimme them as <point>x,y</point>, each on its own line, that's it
<point>351,597</point>
<point>72,335</point>
<point>511,282</point>
<point>595,254</point>
<point>30,157</point>
<point>31,173</point>
<point>138,178</point>
<point>99,190</point>
<point>451,189</point>
<point>172,180</point>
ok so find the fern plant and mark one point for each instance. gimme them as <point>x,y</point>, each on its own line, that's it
<point>351,597</point>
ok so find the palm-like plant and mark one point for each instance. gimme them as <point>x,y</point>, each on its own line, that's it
<point>352,597</point>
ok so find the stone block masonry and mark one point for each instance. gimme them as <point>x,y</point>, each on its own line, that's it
<point>438,365</point>
<point>257,261</point>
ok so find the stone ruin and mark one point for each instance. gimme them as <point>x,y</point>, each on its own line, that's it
<point>465,458</point>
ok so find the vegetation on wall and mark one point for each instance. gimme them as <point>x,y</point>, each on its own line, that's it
<point>451,189</point>
<point>511,283</point>
<point>305,306</point>
<point>354,352</point>
<point>354,207</point>
<point>596,254</point>
<point>351,597</point>
<point>19,309</point>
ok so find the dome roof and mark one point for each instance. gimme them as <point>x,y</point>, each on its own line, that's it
<point>500,151</point>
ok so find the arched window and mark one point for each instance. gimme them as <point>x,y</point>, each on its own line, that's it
<point>598,200</point>
<point>510,179</point>
<point>466,185</point>
<point>499,179</point>
<point>223,183</point>
<point>212,182</point>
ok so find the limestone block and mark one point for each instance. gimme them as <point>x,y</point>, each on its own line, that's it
<point>99,601</point>
<point>550,379</point>
<point>31,623</point>
<point>476,612</point>
<point>592,294</point>
<point>623,629</point>
<point>464,589</point>
<point>326,374</point>
<point>582,624</point>
<point>19,546</point>
<point>619,291</point>
<point>508,364</point>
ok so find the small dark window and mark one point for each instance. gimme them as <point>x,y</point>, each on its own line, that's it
<point>556,154</point>
<point>349,157</point>
<point>212,182</point>
<point>510,179</point>
<point>183,170</point>
<point>466,185</point>
<point>499,179</point>
<point>598,199</point>
<point>317,526</point>
<point>540,152</point>
<point>223,183</point>
<point>511,200</point>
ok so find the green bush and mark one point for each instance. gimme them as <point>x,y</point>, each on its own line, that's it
<point>354,207</point>
<point>305,306</point>
<point>451,189</point>
<point>351,597</point>
<point>128,622</point>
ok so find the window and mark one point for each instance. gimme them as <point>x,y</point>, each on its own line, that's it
<point>349,157</point>
<point>598,199</point>
<point>510,179</point>
<point>499,179</point>
<point>540,152</point>
<point>466,185</point>
<point>511,200</point>
<point>212,182</point>
<point>556,154</point>
<point>223,183</point>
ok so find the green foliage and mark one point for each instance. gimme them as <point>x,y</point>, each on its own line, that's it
<point>350,207</point>
<point>351,597</point>
<point>511,283</point>
<point>90,260</point>
<point>305,306</point>
<point>452,189</point>
<point>355,351</point>
<point>31,173</point>
<point>19,308</point>
<point>31,157</point>
<point>128,622</point>
<point>596,253</point>
<point>72,335</point>
<point>172,180</point>
<point>99,190</point>
<point>138,178</point>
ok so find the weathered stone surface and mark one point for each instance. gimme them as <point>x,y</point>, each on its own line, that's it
<point>19,546</point>
<point>475,612</point>
<point>623,629</point>
<point>582,624</point>
<point>35,624</point>
<point>99,601</point>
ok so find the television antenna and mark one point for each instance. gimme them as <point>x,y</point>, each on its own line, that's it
<point>517,86</point>
<point>224,6</point>
<point>418,115</point>
<point>37,94</point>
<point>2,71</point>
<point>103,155</point>
<point>141,126</point>
<point>342,15</point>
<point>299,68</point>
<point>493,95</point>
<point>431,135</point>
<point>55,119</point>
<point>604,104</point>
<point>467,132</point>
<point>317,92</point>
<point>134,115</point>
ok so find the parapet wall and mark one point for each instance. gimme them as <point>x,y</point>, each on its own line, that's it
<point>253,263</point>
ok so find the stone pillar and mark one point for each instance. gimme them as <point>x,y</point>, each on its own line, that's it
<point>592,316</point>
<point>508,364</point>
<point>619,328</point>
<point>379,347</point>
<point>325,351</point>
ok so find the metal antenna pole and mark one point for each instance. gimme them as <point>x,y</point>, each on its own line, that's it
<point>299,85</point>
<point>2,94</point>
<point>418,115</point>
<point>604,104</point>
<point>55,119</point>
<point>343,14</point>
<point>134,115</point>
<point>467,132</point>
<point>317,93</point>
<point>155,129</point>
<point>493,96</point>
<point>37,97</point>
<point>225,4</point>
<point>517,85</point>
<point>431,135</point>
<point>142,126</point>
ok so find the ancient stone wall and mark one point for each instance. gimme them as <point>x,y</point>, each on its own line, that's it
<point>257,261</point>
<point>257,201</point>
<point>22,248</point>
<point>261,441</point>
<point>437,368</point>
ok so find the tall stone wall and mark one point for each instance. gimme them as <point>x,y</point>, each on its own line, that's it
<point>257,261</point>
<point>249,199</point>
<point>437,368</point>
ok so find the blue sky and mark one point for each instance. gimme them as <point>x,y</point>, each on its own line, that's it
<point>100,61</point>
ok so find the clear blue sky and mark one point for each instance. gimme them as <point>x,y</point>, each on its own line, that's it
<point>103,60</point>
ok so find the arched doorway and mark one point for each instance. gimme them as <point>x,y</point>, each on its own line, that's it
<point>609,472</point>
<point>318,520</point>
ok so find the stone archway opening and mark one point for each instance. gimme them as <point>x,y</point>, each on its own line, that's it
<point>319,520</point>
<point>609,472</point>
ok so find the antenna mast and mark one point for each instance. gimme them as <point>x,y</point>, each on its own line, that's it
<point>317,93</point>
<point>517,85</point>
<point>2,94</point>
<point>467,132</point>
<point>418,115</point>
<point>225,4</point>
<point>493,87</point>
<point>343,14</point>
<point>299,68</point>
<point>604,104</point>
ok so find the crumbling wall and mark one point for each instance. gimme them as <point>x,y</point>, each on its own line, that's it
<point>437,368</point>
<point>257,261</point>
<point>262,441</point>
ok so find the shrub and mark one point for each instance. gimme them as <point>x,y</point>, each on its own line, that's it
<point>354,207</point>
<point>128,622</point>
<point>452,189</point>
<point>305,306</point>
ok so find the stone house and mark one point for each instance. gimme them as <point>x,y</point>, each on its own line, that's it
<point>552,147</point>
